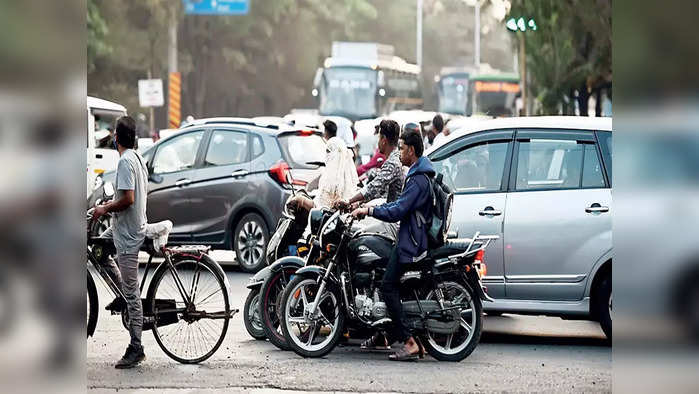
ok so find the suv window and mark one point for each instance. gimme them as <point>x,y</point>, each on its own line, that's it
<point>592,168</point>
<point>227,147</point>
<point>549,164</point>
<point>178,153</point>
<point>605,142</point>
<point>477,168</point>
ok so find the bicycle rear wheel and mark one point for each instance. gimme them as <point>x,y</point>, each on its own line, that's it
<point>189,331</point>
<point>92,305</point>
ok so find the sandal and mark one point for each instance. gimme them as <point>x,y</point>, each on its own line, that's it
<point>404,355</point>
<point>376,342</point>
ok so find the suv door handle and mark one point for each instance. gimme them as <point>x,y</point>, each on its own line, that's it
<point>489,211</point>
<point>183,182</point>
<point>596,208</point>
<point>239,173</point>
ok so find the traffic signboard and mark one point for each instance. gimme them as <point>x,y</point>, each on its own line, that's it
<point>216,7</point>
<point>150,92</point>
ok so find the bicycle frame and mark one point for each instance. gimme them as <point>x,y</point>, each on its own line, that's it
<point>116,291</point>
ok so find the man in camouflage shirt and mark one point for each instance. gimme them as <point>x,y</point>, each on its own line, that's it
<point>388,181</point>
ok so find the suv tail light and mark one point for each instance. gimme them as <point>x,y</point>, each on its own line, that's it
<point>279,173</point>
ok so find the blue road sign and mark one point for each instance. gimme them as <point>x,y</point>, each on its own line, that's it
<point>216,7</point>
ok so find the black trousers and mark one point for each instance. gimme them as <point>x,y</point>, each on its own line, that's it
<point>390,288</point>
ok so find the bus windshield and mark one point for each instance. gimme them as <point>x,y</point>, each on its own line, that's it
<point>494,98</point>
<point>453,94</point>
<point>348,92</point>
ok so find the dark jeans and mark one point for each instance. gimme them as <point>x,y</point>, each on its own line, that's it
<point>390,289</point>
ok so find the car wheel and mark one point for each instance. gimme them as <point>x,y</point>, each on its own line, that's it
<point>604,305</point>
<point>250,239</point>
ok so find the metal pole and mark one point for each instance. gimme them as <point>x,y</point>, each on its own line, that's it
<point>151,120</point>
<point>523,60</point>
<point>477,35</point>
<point>172,43</point>
<point>419,33</point>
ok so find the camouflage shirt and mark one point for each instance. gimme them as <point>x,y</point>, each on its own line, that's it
<point>388,181</point>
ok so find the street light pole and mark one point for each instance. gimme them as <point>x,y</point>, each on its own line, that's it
<point>172,43</point>
<point>523,67</point>
<point>477,35</point>
<point>419,34</point>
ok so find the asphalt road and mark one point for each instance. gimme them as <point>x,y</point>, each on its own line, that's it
<point>516,353</point>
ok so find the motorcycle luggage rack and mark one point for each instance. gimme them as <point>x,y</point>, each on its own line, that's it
<point>484,241</point>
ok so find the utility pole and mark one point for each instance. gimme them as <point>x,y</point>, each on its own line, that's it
<point>172,43</point>
<point>477,35</point>
<point>419,34</point>
<point>523,67</point>
<point>174,114</point>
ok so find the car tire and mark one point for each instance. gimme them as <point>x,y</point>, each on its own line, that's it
<point>250,238</point>
<point>604,305</point>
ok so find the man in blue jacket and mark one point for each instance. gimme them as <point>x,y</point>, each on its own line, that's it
<point>412,236</point>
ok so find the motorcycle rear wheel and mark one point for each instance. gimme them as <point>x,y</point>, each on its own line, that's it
<point>441,346</point>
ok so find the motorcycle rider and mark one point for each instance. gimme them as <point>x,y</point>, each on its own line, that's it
<point>389,177</point>
<point>412,237</point>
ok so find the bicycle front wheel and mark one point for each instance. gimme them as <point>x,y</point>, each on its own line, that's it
<point>190,308</point>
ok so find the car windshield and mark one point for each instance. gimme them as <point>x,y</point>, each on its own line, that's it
<point>300,149</point>
<point>348,91</point>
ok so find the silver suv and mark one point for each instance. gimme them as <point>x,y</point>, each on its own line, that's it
<point>544,185</point>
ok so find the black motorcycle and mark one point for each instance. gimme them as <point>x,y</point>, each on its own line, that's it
<point>286,251</point>
<point>441,294</point>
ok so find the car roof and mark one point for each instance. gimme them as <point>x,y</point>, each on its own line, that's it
<point>94,102</point>
<point>529,122</point>
<point>260,124</point>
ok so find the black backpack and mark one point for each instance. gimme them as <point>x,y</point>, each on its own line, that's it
<point>438,225</point>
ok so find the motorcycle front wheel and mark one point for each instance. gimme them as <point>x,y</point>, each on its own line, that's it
<point>318,334</point>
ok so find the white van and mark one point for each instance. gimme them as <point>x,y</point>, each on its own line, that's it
<point>101,154</point>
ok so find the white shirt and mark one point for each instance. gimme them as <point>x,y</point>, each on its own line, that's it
<point>345,133</point>
<point>438,139</point>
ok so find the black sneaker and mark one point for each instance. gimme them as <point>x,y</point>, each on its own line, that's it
<point>132,358</point>
<point>117,305</point>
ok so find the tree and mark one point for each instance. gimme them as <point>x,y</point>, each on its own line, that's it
<point>96,32</point>
<point>570,50</point>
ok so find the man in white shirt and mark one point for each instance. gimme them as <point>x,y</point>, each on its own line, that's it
<point>441,132</point>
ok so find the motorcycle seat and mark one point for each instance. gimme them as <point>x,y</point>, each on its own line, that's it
<point>451,247</point>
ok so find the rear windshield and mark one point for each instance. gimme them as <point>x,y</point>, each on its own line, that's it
<point>301,149</point>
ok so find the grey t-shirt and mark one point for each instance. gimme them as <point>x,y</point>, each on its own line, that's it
<point>130,224</point>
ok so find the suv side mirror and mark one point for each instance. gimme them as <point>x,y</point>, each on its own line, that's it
<point>155,178</point>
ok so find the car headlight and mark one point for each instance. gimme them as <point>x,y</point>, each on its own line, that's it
<point>98,183</point>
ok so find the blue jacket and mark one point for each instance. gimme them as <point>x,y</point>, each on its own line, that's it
<point>416,197</point>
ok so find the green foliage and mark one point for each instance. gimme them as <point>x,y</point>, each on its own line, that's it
<point>96,32</point>
<point>571,48</point>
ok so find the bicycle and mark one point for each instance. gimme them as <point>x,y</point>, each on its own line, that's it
<point>187,303</point>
